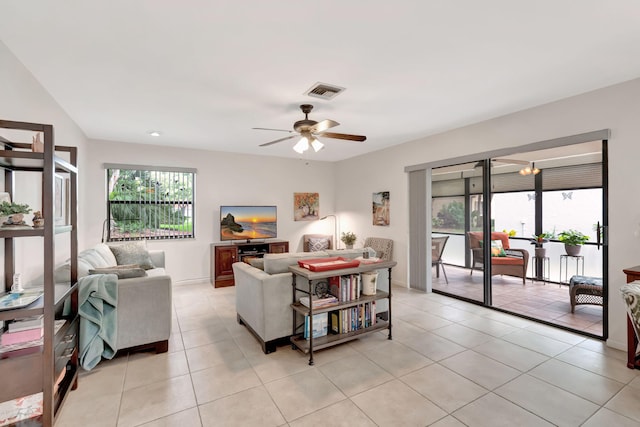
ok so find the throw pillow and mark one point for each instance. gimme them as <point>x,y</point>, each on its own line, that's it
<point>122,273</point>
<point>497,249</point>
<point>318,244</point>
<point>133,253</point>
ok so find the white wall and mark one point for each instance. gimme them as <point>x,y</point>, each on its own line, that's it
<point>346,186</point>
<point>616,108</point>
<point>222,179</point>
<point>24,99</point>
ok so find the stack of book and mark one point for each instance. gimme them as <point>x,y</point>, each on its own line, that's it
<point>25,334</point>
<point>320,302</point>
<point>23,330</point>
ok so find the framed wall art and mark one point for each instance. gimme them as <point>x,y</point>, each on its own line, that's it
<point>306,206</point>
<point>380,208</point>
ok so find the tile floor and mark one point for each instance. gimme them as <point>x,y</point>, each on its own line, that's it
<point>450,364</point>
<point>545,301</point>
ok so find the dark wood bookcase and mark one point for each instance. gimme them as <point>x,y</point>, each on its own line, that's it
<point>51,368</point>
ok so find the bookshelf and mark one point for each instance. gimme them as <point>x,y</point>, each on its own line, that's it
<point>308,346</point>
<point>51,367</point>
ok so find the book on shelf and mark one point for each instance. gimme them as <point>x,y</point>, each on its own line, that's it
<point>353,318</point>
<point>320,325</point>
<point>18,337</point>
<point>33,322</point>
<point>345,288</point>
<point>319,302</point>
<point>29,346</point>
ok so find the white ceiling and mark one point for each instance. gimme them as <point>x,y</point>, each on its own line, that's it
<point>204,72</point>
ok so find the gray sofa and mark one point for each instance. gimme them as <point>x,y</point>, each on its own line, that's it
<point>144,303</point>
<point>264,293</point>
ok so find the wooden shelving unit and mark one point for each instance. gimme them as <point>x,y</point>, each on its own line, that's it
<point>308,346</point>
<point>51,368</point>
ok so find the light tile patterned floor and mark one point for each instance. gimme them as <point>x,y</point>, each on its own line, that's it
<point>450,364</point>
<point>539,300</point>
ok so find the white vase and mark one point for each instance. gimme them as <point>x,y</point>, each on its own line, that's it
<point>369,280</point>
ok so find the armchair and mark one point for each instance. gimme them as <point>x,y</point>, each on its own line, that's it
<point>382,246</point>
<point>513,264</point>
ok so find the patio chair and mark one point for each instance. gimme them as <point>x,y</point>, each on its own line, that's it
<point>513,262</point>
<point>437,249</point>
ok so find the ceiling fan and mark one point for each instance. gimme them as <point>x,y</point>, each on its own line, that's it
<point>309,130</point>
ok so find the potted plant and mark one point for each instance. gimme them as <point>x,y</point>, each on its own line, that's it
<point>348,239</point>
<point>572,240</point>
<point>15,212</point>
<point>539,240</point>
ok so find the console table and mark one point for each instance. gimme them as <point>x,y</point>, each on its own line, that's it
<point>633,359</point>
<point>223,255</point>
<point>311,344</point>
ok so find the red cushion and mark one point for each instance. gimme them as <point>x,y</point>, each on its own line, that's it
<point>476,236</point>
<point>507,260</point>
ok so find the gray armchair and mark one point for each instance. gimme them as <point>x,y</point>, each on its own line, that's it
<point>382,246</point>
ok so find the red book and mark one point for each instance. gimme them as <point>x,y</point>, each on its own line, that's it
<point>9,338</point>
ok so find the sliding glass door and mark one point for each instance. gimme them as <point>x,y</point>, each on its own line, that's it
<point>509,254</point>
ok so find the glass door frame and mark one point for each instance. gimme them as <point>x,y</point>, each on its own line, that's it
<point>415,238</point>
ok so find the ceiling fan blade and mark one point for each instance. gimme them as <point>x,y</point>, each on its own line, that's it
<point>278,130</point>
<point>323,125</point>
<point>277,140</point>
<point>357,138</point>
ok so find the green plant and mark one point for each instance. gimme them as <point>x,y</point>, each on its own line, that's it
<point>572,238</point>
<point>7,208</point>
<point>348,238</point>
<point>542,238</point>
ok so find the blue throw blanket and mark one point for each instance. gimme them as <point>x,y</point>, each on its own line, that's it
<point>98,299</point>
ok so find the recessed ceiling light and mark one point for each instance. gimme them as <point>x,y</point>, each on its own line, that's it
<point>155,133</point>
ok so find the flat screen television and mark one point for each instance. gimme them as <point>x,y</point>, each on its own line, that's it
<point>248,222</point>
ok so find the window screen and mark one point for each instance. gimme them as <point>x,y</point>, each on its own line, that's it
<point>149,203</point>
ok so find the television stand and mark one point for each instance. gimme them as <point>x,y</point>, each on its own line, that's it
<point>223,255</point>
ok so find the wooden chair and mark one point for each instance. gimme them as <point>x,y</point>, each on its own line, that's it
<point>513,264</point>
<point>437,249</point>
<point>313,242</point>
<point>382,246</point>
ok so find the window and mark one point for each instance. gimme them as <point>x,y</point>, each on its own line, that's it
<point>149,203</point>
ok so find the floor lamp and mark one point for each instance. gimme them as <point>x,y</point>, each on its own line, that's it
<point>335,235</point>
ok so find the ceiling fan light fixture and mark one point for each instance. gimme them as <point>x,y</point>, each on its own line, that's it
<point>302,145</point>
<point>317,145</point>
<point>529,170</point>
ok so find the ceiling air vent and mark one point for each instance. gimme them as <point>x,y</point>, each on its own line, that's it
<point>324,91</point>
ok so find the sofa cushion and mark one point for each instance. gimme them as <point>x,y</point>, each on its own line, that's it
<point>104,251</point>
<point>132,253</point>
<point>122,271</point>
<point>155,272</point>
<point>279,263</point>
